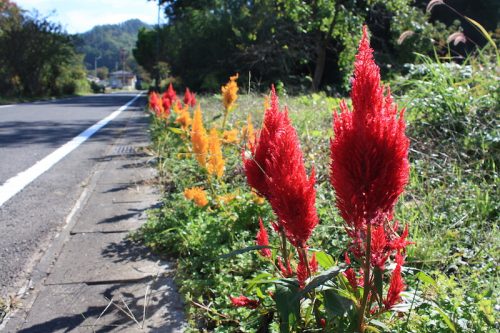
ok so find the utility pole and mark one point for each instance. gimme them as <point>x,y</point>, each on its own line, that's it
<point>157,83</point>
<point>95,65</point>
<point>123,54</point>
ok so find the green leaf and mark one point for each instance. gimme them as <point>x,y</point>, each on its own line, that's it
<point>425,278</point>
<point>287,305</point>
<point>445,318</point>
<point>321,279</point>
<point>260,279</point>
<point>176,130</point>
<point>244,250</point>
<point>335,304</point>
<point>380,324</point>
<point>483,31</point>
<point>324,259</point>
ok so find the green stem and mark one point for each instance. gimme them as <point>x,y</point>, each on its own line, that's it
<point>304,255</point>
<point>366,284</point>
<point>284,251</point>
<point>226,112</point>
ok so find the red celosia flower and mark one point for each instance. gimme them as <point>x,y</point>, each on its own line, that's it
<point>168,98</point>
<point>167,103</point>
<point>350,274</point>
<point>285,271</point>
<point>189,98</point>
<point>172,95</point>
<point>301,274</point>
<point>263,240</point>
<point>399,243</point>
<point>277,171</point>
<point>369,163</point>
<point>155,103</point>
<point>396,285</point>
<point>255,167</point>
<point>243,301</point>
<point>313,263</point>
<point>379,249</point>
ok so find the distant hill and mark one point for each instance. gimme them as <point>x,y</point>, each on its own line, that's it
<point>107,41</point>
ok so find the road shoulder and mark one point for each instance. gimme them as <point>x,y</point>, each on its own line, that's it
<point>93,277</point>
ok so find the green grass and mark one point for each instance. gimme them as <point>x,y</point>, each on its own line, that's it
<point>451,203</point>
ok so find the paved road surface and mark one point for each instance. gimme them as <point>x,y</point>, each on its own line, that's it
<point>28,133</point>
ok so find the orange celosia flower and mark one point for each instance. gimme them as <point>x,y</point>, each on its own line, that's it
<point>230,93</point>
<point>215,165</point>
<point>248,132</point>
<point>199,138</point>
<point>196,194</point>
<point>184,118</point>
<point>177,106</point>
<point>230,136</point>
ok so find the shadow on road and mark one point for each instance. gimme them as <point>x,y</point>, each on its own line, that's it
<point>16,134</point>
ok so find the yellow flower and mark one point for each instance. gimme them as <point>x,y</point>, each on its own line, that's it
<point>196,194</point>
<point>226,198</point>
<point>184,119</point>
<point>230,136</point>
<point>266,103</point>
<point>248,132</point>
<point>257,198</point>
<point>199,138</point>
<point>215,163</point>
<point>230,93</point>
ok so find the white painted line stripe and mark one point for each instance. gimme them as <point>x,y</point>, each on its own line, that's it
<point>15,184</point>
<point>6,106</point>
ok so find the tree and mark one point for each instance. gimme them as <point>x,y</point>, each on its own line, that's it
<point>303,43</point>
<point>35,56</point>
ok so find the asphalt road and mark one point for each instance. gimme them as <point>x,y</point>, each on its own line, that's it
<point>29,132</point>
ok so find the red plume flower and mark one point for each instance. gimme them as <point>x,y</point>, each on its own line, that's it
<point>285,271</point>
<point>313,263</point>
<point>255,167</point>
<point>277,171</point>
<point>369,153</point>
<point>369,170</point>
<point>396,285</point>
<point>154,102</point>
<point>263,240</point>
<point>166,104</point>
<point>189,98</point>
<point>171,94</point>
<point>243,301</point>
<point>302,271</point>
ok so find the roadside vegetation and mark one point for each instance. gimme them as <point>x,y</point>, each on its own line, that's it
<point>37,59</point>
<point>209,220</point>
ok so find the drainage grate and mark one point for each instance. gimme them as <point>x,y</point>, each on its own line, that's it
<point>124,150</point>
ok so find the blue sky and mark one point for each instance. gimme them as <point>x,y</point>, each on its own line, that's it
<point>81,15</point>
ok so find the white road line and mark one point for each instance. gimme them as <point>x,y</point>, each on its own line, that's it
<point>6,106</point>
<point>15,184</point>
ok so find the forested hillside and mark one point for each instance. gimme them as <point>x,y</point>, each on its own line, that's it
<point>110,44</point>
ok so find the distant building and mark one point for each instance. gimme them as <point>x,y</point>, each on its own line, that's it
<point>122,80</point>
